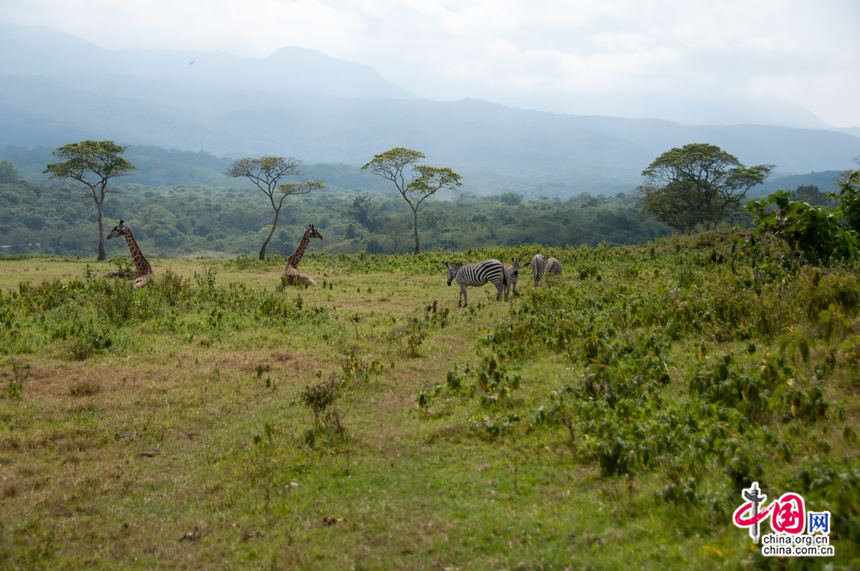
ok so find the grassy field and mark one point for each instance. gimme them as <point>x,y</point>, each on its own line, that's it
<point>216,419</point>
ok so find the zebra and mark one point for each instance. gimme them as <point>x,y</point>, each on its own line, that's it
<point>512,273</point>
<point>553,267</point>
<point>477,274</point>
<point>538,264</point>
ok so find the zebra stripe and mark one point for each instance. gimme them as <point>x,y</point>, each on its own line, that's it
<point>538,264</point>
<point>477,274</point>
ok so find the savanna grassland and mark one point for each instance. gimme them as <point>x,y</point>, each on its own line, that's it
<point>216,419</point>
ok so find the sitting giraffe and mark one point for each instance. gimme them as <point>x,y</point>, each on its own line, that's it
<point>144,270</point>
<point>291,272</point>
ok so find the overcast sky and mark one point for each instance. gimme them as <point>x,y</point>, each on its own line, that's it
<point>631,57</point>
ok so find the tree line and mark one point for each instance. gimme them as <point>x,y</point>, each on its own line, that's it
<point>44,216</point>
<point>94,163</point>
<point>685,187</point>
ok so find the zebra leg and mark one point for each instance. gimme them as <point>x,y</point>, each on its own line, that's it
<point>462,295</point>
<point>499,289</point>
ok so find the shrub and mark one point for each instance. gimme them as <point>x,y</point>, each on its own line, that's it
<point>321,398</point>
<point>20,373</point>
<point>812,232</point>
<point>85,336</point>
<point>849,200</point>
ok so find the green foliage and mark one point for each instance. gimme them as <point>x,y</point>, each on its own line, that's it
<point>650,381</point>
<point>425,181</point>
<point>266,173</point>
<point>494,385</point>
<point>813,232</point>
<point>124,265</point>
<point>811,194</point>
<point>833,485</point>
<point>89,317</point>
<point>626,336</point>
<point>199,221</point>
<point>321,399</point>
<point>697,184</point>
<point>357,368</point>
<point>15,385</point>
<point>767,389</point>
<point>93,164</point>
<point>849,200</point>
<point>85,336</point>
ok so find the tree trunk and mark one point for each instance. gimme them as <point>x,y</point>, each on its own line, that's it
<point>415,228</point>
<point>271,233</point>
<point>102,256</point>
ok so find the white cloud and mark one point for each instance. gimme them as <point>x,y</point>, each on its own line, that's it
<point>537,52</point>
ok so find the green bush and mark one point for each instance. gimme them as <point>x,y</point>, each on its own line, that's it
<point>849,200</point>
<point>814,233</point>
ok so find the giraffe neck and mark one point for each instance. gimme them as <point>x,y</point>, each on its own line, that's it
<point>300,251</point>
<point>140,262</point>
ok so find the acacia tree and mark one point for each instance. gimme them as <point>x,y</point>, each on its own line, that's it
<point>415,183</point>
<point>697,183</point>
<point>266,173</point>
<point>92,163</point>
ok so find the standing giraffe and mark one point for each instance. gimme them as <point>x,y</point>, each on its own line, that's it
<point>291,272</point>
<point>144,270</point>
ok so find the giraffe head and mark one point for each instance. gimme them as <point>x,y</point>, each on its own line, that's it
<point>313,232</point>
<point>118,230</point>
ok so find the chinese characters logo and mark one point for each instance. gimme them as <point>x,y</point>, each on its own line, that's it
<point>788,519</point>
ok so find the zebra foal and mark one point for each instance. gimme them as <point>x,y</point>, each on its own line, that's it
<point>538,264</point>
<point>477,274</point>
<point>512,274</point>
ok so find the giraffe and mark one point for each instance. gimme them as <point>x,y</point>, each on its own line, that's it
<point>144,270</point>
<point>291,272</point>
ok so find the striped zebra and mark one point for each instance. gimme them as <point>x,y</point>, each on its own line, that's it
<point>512,274</point>
<point>477,274</point>
<point>553,267</point>
<point>538,264</point>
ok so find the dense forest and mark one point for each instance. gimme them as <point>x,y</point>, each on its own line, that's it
<point>180,220</point>
<point>182,203</point>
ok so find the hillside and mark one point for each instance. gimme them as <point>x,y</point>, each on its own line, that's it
<point>322,110</point>
<point>825,181</point>
<point>608,420</point>
<point>155,166</point>
<point>172,74</point>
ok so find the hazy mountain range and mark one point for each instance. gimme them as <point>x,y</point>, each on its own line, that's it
<point>55,88</point>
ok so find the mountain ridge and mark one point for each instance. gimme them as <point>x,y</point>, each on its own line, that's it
<point>188,101</point>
